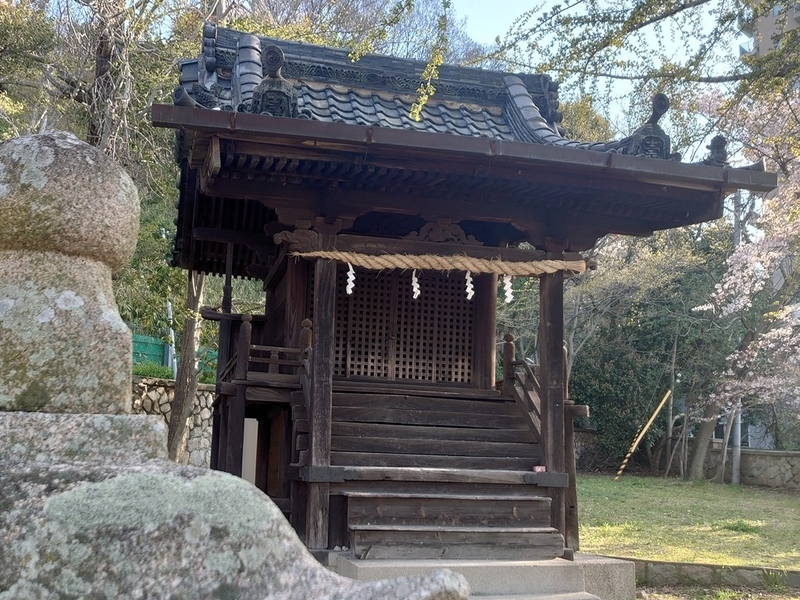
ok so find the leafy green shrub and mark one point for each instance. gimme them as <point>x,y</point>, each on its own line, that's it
<point>152,369</point>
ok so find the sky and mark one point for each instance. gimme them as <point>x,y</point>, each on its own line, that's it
<point>488,19</point>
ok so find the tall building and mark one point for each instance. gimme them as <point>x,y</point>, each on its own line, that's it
<point>765,31</point>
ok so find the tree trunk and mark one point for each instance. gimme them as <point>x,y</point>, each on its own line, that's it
<point>701,442</point>
<point>186,381</point>
<point>719,476</point>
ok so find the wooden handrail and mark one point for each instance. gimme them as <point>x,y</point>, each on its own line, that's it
<point>526,367</point>
<point>243,349</point>
<point>223,376</point>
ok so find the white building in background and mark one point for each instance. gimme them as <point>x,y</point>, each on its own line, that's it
<point>765,31</point>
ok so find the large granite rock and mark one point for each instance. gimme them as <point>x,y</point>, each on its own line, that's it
<point>92,513</point>
<point>89,508</point>
<point>70,216</point>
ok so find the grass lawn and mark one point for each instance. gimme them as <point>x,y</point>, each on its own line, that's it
<point>694,593</point>
<point>671,520</point>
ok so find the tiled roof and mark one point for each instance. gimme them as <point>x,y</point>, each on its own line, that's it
<point>379,91</point>
<point>339,104</point>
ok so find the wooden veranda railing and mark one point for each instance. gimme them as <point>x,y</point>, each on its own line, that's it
<point>254,364</point>
<point>521,384</point>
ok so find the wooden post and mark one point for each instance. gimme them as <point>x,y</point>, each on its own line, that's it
<point>306,335</point>
<point>319,417</point>
<point>222,454</point>
<point>297,295</point>
<point>219,435</point>
<point>551,353</point>
<point>509,353</point>
<point>235,442</point>
<point>484,354</point>
<point>215,423</point>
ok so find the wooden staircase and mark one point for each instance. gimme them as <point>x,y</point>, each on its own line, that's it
<point>424,476</point>
<point>450,525</point>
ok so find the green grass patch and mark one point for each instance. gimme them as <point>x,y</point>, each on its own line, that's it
<point>675,521</point>
<point>698,593</point>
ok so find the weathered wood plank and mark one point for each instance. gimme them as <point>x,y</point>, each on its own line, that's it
<point>262,394</point>
<point>419,460</point>
<point>491,406</point>
<point>455,475</point>
<point>428,446</point>
<point>480,489</point>
<point>498,544</point>
<point>520,436</point>
<point>428,417</point>
<point>437,390</point>
<point>450,510</point>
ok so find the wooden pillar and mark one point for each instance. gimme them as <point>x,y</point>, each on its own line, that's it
<point>319,414</point>
<point>219,431</point>
<point>222,445</point>
<point>484,351</point>
<point>297,294</point>
<point>551,353</point>
<point>236,404</point>
<point>509,356</point>
<point>215,436</point>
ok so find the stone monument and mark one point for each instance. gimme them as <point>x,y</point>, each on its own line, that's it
<point>90,507</point>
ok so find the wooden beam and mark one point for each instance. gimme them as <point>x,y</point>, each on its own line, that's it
<point>551,348</point>
<point>422,148</point>
<point>211,164</point>
<point>256,241</point>
<point>376,245</point>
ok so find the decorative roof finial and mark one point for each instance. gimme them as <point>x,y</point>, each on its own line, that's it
<point>718,152</point>
<point>272,58</point>
<point>660,107</point>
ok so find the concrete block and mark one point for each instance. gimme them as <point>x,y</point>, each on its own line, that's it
<point>514,579</point>
<point>608,578</point>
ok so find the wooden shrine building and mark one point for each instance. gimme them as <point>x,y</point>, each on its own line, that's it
<point>381,243</point>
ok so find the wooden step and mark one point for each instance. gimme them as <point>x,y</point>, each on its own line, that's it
<point>491,406</point>
<point>429,446</point>
<point>428,461</point>
<point>398,542</point>
<point>389,430</point>
<point>501,420</point>
<point>425,487</point>
<point>413,509</point>
<point>438,390</point>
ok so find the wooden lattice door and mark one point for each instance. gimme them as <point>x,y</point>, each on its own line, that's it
<point>382,331</point>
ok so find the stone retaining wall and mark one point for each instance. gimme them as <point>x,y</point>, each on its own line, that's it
<point>770,468</point>
<point>659,573</point>
<point>154,397</point>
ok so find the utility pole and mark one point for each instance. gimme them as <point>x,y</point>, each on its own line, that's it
<point>736,450</point>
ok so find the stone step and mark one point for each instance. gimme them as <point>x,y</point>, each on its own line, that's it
<point>570,596</point>
<point>509,579</point>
